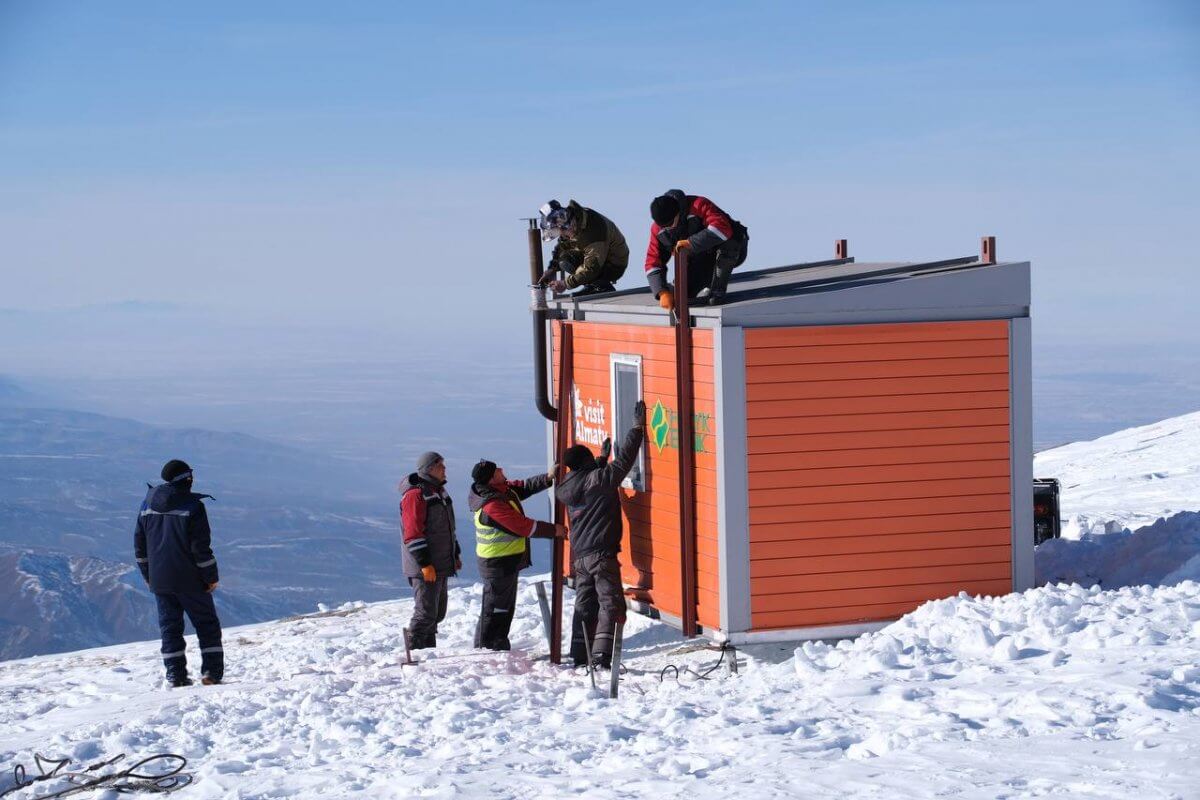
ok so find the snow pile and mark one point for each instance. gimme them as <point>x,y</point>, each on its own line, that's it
<point>1161,554</point>
<point>1060,686</point>
<point>1127,479</point>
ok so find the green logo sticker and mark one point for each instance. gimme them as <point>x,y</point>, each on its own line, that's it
<point>660,425</point>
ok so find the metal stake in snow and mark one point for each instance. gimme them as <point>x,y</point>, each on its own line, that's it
<point>614,676</point>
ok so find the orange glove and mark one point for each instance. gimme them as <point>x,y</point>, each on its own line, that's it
<point>666,300</point>
<point>429,573</point>
<point>682,244</point>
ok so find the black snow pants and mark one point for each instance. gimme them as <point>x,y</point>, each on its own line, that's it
<point>429,610</point>
<point>712,269</point>
<point>599,605</point>
<point>496,612</point>
<point>202,612</point>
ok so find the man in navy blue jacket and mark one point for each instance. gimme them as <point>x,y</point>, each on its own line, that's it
<point>172,545</point>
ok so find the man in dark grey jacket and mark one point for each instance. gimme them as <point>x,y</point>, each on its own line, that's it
<point>431,551</point>
<point>590,492</point>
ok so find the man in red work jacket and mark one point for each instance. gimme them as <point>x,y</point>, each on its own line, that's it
<point>716,243</point>
<point>502,533</point>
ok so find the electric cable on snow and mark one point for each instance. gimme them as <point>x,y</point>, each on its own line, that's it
<point>125,781</point>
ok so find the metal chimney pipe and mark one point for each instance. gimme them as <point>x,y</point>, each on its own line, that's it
<point>541,383</point>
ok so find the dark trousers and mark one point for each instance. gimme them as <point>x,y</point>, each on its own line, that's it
<point>202,613</point>
<point>599,605</point>
<point>496,613</point>
<point>429,610</point>
<point>713,268</point>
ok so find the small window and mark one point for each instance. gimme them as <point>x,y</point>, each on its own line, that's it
<point>627,390</point>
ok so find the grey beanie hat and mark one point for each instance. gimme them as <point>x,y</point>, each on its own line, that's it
<point>427,460</point>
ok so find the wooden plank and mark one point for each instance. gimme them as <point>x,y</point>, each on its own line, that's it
<point>796,416</point>
<point>846,476</point>
<point>878,456</point>
<point>811,442</point>
<point>897,420</point>
<point>865,562</point>
<point>885,387</point>
<point>952,520</point>
<point>765,377</point>
<point>869,492</point>
<point>870,334</point>
<point>789,585</point>
<point>843,615</point>
<point>855,353</point>
<point>653,352</point>
<point>877,594</point>
<point>594,383</point>
<point>766,552</point>
<point>877,509</point>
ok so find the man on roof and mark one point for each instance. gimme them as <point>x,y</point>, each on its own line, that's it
<point>716,244</point>
<point>591,251</point>
<point>502,534</point>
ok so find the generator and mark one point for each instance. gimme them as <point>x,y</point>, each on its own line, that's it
<point>1046,521</point>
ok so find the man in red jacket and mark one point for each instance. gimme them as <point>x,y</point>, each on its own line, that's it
<point>431,551</point>
<point>502,533</point>
<point>716,244</point>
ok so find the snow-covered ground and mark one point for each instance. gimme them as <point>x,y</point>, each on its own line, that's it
<point>1061,691</point>
<point>1127,479</point>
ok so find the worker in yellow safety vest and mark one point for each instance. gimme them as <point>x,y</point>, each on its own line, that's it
<point>502,533</point>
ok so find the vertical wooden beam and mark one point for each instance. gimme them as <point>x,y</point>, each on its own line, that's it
<point>566,360</point>
<point>687,443</point>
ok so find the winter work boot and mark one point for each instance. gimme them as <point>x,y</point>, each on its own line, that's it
<point>208,680</point>
<point>714,293</point>
<point>179,683</point>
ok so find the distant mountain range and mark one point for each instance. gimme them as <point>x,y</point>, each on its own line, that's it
<point>290,528</point>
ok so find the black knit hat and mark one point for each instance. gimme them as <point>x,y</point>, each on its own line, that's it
<point>579,457</point>
<point>176,470</point>
<point>482,472</point>
<point>663,209</point>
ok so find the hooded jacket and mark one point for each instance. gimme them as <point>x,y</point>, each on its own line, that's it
<point>597,251</point>
<point>496,505</point>
<point>594,502</point>
<point>172,542</point>
<point>427,526</point>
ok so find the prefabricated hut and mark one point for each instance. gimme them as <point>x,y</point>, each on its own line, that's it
<point>862,442</point>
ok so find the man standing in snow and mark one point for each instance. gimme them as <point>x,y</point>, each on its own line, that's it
<point>172,546</point>
<point>431,551</point>
<point>716,244</point>
<point>591,249</point>
<point>502,533</point>
<point>590,492</point>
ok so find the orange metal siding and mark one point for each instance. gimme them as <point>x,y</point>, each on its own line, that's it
<point>879,468</point>
<point>650,553</point>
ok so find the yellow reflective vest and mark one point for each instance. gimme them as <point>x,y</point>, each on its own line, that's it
<point>493,542</point>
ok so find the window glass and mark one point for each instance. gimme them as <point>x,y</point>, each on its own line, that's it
<point>627,390</point>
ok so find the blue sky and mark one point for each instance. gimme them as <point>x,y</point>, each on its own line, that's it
<point>367,163</point>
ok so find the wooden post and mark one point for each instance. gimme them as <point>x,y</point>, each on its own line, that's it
<point>687,443</point>
<point>566,358</point>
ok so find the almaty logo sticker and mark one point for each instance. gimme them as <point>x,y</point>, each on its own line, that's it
<point>660,425</point>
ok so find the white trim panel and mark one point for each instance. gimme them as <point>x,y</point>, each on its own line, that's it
<point>733,494</point>
<point>1020,352</point>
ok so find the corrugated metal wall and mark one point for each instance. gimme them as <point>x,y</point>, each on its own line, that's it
<point>879,468</point>
<point>650,554</point>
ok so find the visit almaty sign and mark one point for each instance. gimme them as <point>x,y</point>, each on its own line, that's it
<point>664,428</point>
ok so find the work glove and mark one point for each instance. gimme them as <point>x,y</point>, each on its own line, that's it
<point>560,531</point>
<point>550,475</point>
<point>682,244</point>
<point>558,286</point>
<point>429,573</point>
<point>639,414</point>
<point>666,299</point>
<point>212,587</point>
<point>606,448</point>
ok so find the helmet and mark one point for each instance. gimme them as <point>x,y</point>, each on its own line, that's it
<point>554,220</point>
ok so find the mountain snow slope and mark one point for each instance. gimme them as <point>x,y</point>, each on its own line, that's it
<point>1063,690</point>
<point>1057,691</point>
<point>1127,479</point>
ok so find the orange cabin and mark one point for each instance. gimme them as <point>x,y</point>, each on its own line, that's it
<point>861,438</point>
